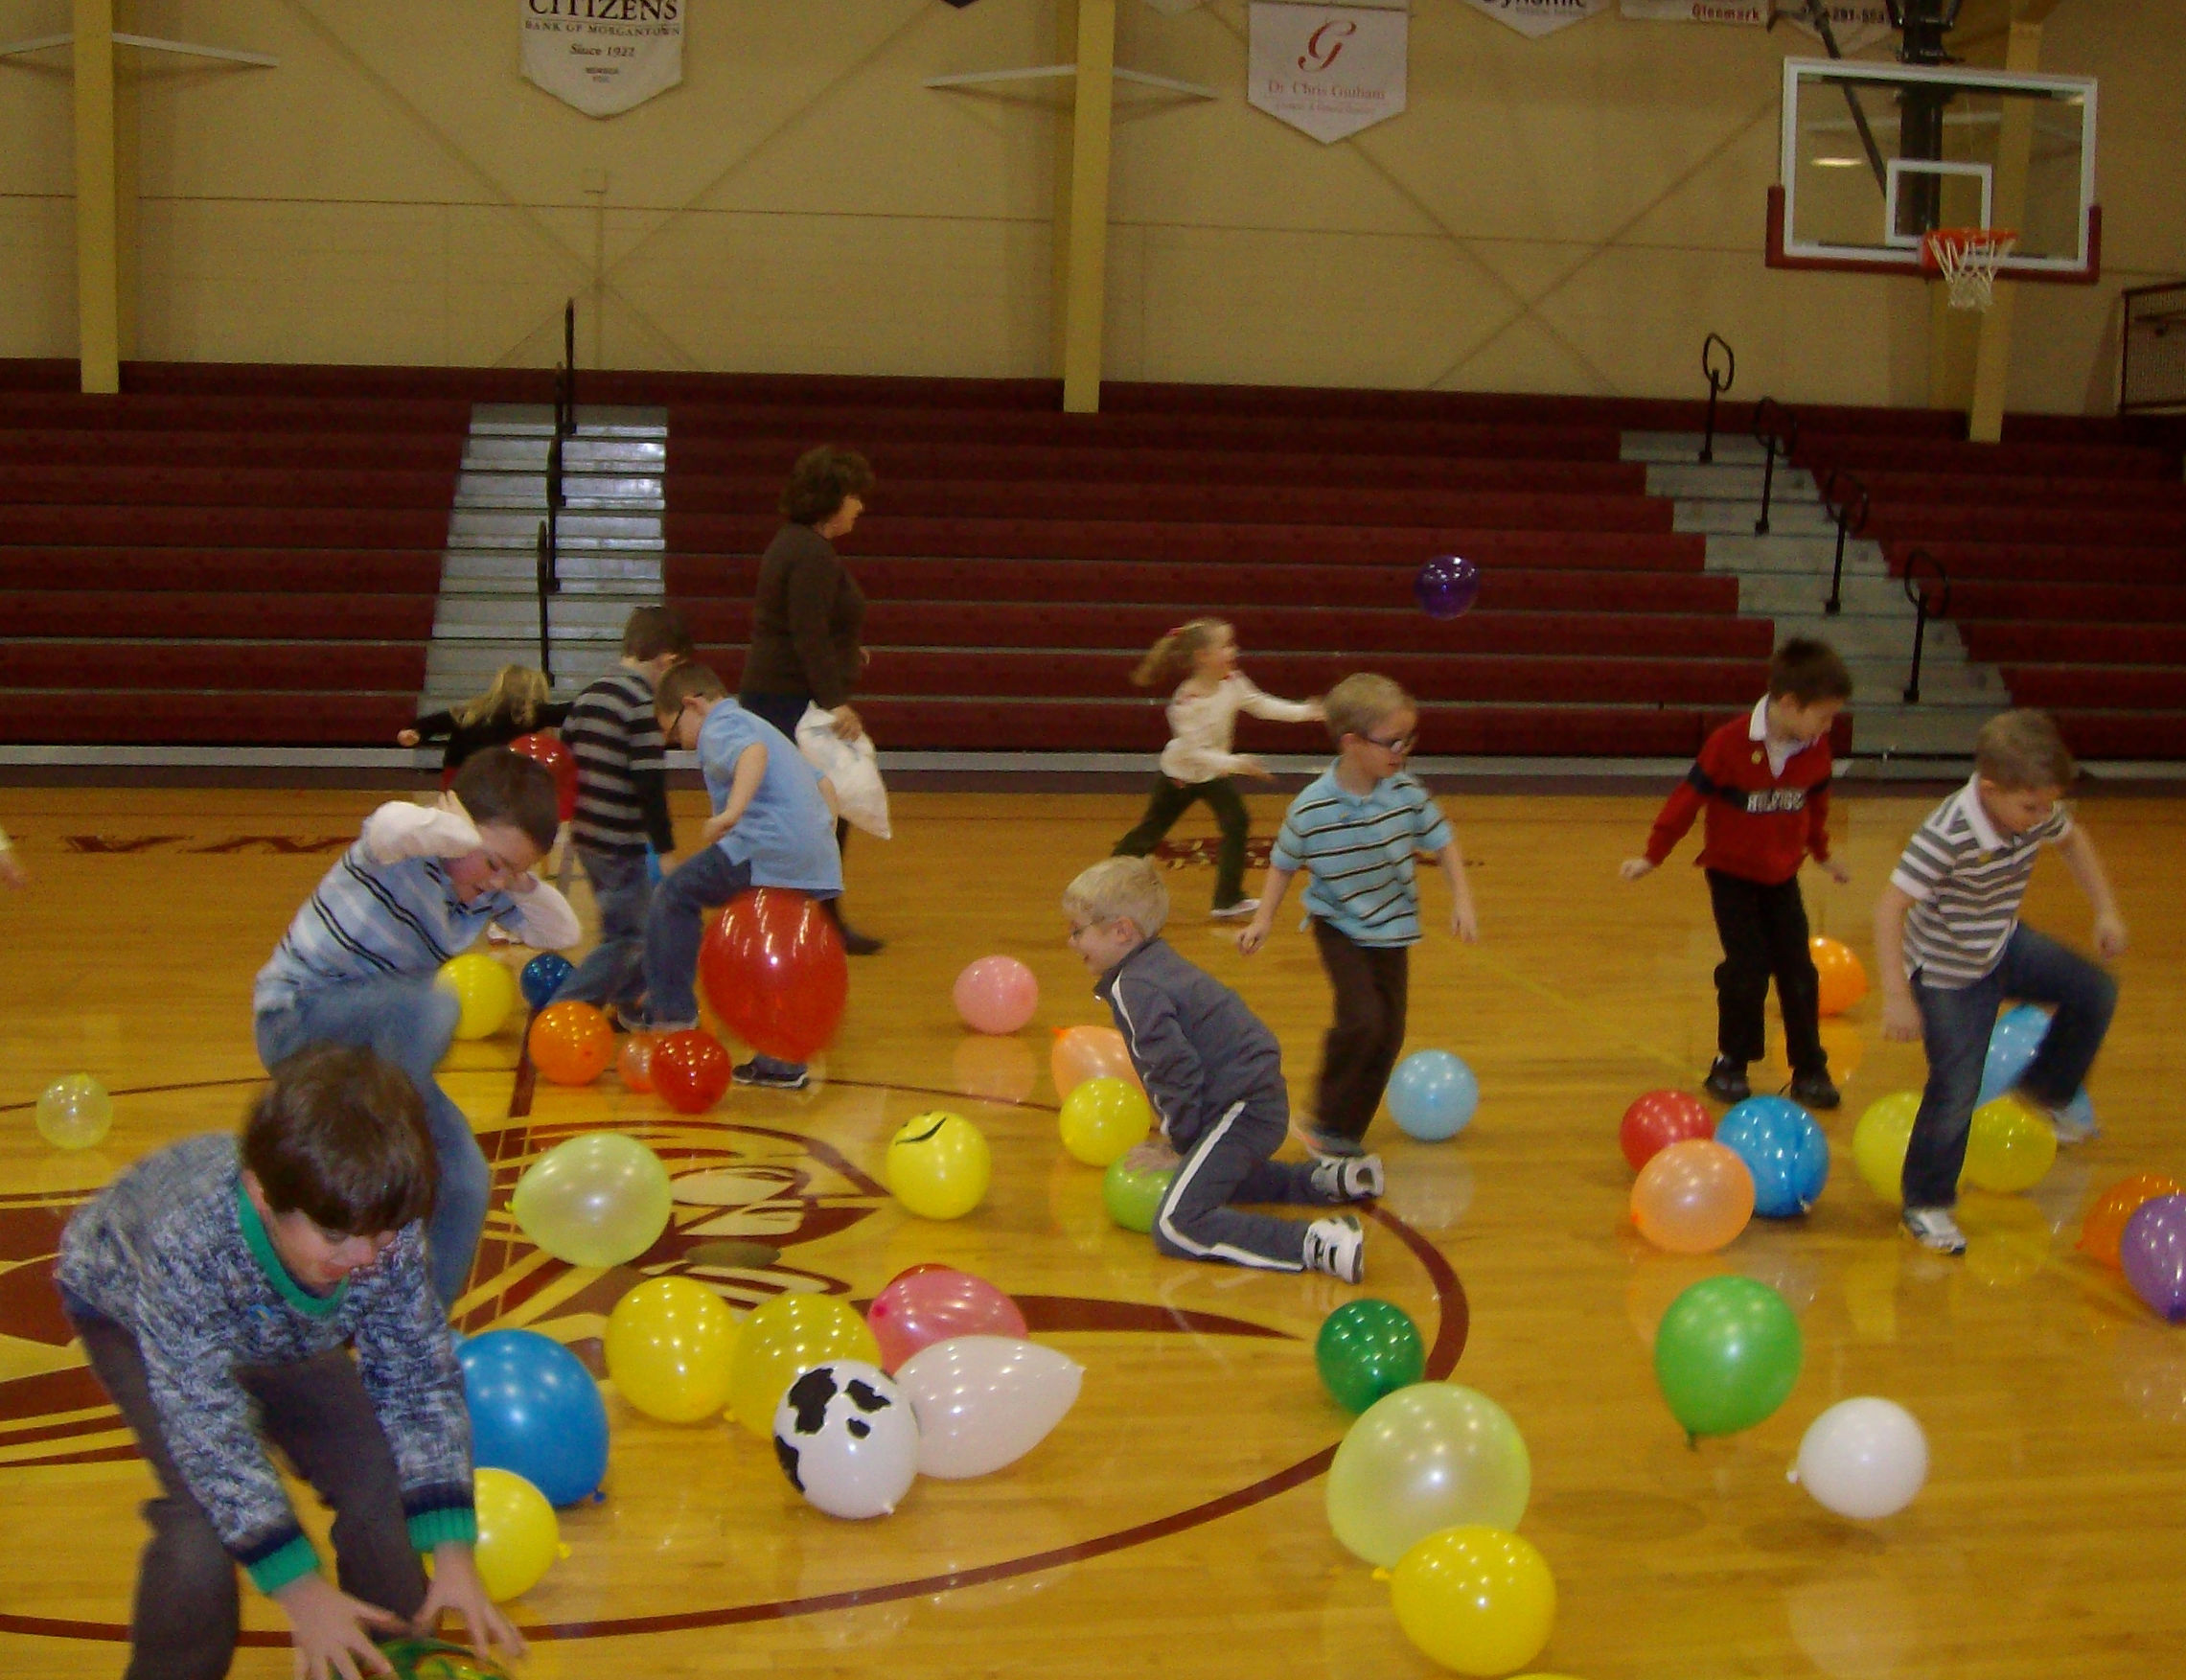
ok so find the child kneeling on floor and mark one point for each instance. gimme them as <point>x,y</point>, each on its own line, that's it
<point>1213,1072</point>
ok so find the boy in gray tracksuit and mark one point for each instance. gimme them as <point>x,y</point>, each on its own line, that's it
<point>1213,1074</point>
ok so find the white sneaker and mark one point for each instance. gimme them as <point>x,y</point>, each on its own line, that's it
<point>1934,1229</point>
<point>1338,1247</point>
<point>2074,1122</point>
<point>1236,913</point>
<point>1354,1179</point>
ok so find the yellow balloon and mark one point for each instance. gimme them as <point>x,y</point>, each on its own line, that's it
<point>937,1166</point>
<point>1104,1119</point>
<point>1480,1601</point>
<point>784,1339</point>
<point>75,1112</point>
<point>2009,1148</point>
<point>484,988</point>
<point>1878,1143</point>
<point>518,1534</point>
<point>669,1342</point>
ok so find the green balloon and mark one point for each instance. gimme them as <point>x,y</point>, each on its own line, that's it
<point>1133,1196</point>
<point>1727,1355</point>
<point>1365,1349</point>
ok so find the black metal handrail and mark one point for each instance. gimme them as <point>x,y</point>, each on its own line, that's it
<point>557,498</point>
<point>1775,428</point>
<point>546,588</point>
<point>1850,510</point>
<point>1927,602</point>
<point>1717,386</point>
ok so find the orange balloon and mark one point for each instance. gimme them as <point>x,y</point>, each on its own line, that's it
<point>635,1062</point>
<point>1844,981</point>
<point>1088,1053</point>
<point>572,1044</point>
<point>1692,1197</point>
<point>2105,1221</point>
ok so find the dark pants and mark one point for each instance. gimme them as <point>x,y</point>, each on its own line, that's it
<point>1764,929</point>
<point>782,711</point>
<point>615,973</point>
<point>1371,983</point>
<point>1229,1162</point>
<point>184,1621</point>
<point>675,928</point>
<point>1956,1023</point>
<point>1170,801</point>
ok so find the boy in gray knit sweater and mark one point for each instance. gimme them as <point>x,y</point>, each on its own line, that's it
<point>215,1285</point>
<point>1213,1074</point>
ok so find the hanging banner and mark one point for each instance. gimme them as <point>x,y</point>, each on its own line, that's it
<point>1695,10</point>
<point>1539,17</point>
<point>603,56</point>
<point>1856,24</point>
<point>1327,70</point>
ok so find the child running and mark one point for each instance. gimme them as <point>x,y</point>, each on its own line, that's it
<point>515,705</point>
<point>1197,763</point>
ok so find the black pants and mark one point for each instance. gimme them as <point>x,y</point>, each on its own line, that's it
<point>1170,801</point>
<point>184,1622</point>
<point>1371,982</point>
<point>1764,931</point>
<point>782,711</point>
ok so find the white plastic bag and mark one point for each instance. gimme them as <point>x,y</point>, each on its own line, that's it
<point>854,766</point>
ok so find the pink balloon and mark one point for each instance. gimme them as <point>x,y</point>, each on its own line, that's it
<point>933,1304</point>
<point>997,994</point>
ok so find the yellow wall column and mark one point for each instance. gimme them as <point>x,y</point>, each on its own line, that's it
<point>98,290</point>
<point>2015,148</point>
<point>1083,216</point>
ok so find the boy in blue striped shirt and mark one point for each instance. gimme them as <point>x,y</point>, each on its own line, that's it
<point>1355,830</point>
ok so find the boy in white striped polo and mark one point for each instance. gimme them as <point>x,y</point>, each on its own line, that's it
<point>1950,946</point>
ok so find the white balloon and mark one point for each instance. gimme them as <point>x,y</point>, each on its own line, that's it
<point>985,1401</point>
<point>847,1439</point>
<point>1864,1459</point>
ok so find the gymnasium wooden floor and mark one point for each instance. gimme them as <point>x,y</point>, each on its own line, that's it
<point>1174,1522</point>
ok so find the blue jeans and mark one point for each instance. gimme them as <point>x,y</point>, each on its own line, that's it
<point>615,973</point>
<point>409,1022</point>
<point>676,926</point>
<point>1956,1023</point>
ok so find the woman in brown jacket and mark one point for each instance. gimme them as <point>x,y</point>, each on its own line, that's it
<point>807,615</point>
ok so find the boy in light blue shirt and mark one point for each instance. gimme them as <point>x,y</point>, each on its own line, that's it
<point>773,826</point>
<point>1355,830</point>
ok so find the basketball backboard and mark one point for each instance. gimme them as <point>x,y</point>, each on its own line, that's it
<point>1876,154</point>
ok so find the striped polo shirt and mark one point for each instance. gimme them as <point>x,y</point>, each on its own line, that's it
<point>622,799</point>
<point>1966,881</point>
<point>1358,851</point>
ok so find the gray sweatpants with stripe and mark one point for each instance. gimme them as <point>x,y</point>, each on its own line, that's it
<point>1229,1162</point>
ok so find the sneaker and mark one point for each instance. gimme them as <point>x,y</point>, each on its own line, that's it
<point>1326,1144</point>
<point>1239,911</point>
<point>1814,1091</point>
<point>1337,1246</point>
<point>2073,1123</point>
<point>772,1073</point>
<point>1353,1177</point>
<point>856,944</point>
<point>1726,1081</point>
<point>1934,1229</point>
<point>638,1020</point>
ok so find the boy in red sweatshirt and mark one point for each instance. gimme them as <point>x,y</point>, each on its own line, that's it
<point>1764,783</point>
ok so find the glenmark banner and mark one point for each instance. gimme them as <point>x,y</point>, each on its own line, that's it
<point>603,56</point>
<point>1856,24</point>
<point>1327,70</point>
<point>1539,17</point>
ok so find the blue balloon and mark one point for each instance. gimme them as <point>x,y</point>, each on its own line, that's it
<point>651,867</point>
<point>1446,586</point>
<point>542,977</point>
<point>2012,1046</point>
<point>1432,1095</point>
<point>534,1410</point>
<point>1783,1148</point>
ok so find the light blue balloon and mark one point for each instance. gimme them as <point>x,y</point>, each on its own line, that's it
<point>1432,1095</point>
<point>2012,1046</point>
<point>1784,1149</point>
<point>534,1410</point>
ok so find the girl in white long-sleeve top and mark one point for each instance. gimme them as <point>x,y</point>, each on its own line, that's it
<point>1197,763</point>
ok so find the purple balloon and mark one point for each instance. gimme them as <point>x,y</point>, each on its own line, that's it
<point>2152,1251</point>
<point>1446,585</point>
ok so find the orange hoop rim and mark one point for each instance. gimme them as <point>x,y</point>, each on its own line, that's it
<point>1993,244</point>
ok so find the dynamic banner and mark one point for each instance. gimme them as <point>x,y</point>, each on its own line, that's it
<point>603,56</point>
<point>1327,70</point>
<point>1539,17</point>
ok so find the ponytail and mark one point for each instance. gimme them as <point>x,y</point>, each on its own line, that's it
<point>1176,651</point>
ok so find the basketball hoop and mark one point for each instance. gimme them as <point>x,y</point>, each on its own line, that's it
<point>1968,258</point>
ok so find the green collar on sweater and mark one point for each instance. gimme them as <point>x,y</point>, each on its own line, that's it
<point>261,1245</point>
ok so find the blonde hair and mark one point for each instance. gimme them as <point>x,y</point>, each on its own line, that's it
<point>1115,889</point>
<point>1358,703</point>
<point>517,694</point>
<point>1177,650</point>
<point>2022,750</point>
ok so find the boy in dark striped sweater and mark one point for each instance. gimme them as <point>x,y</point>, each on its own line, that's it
<point>215,1285</point>
<point>1950,946</point>
<point>622,805</point>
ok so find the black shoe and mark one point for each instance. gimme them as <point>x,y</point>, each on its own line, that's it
<point>772,1073</point>
<point>1814,1091</point>
<point>1726,1081</point>
<point>856,944</point>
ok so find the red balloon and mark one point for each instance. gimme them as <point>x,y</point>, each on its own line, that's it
<point>690,1070</point>
<point>774,970</point>
<point>932,1304</point>
<point>1659,1120</point>
<point>548,751</point>
<point>635,1062</point>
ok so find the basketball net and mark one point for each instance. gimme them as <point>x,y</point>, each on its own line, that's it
<point>1968,258</point>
